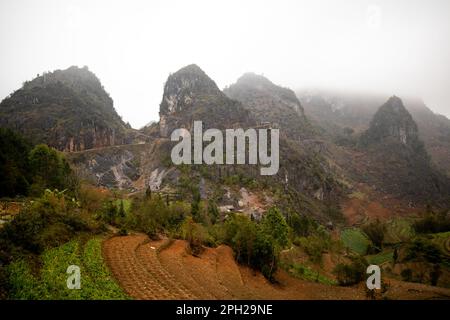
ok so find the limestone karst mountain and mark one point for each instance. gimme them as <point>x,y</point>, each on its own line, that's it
<point>71,111</point>
<point>392,121</point>
<point>398,158</point>
<point>271,103</point>
<point>66,109</point>
<point>342,115</point>
<point>189,95</point>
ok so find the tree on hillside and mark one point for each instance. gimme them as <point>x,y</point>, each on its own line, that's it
<point>274,233</point>
<point>375,231</point>
<point>49,169</point>
<point>121,210</point>
<point>14,166</point>
<point>274,225</point>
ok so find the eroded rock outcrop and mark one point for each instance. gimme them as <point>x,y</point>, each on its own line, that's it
<point>190,95</point>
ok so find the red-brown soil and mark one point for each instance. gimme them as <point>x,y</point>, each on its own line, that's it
<point>148,269</point>
<point>145,270</point>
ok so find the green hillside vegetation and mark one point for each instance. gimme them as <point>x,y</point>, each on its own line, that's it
<point>355,240</point>
<point>64,105</point>
<point>14,164</point>
<point>50,282</point>
<point>28,170</point>
<point>380,258</point>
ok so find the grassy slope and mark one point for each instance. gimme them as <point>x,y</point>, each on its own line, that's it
<point>355,240</point>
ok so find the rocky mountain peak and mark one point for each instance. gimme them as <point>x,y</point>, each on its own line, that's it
<point>255,80</point>
<point>251,85</point>
<point>189,95</point>
<point>182,86</point>
<point>66,109</point>
<point>392,120</point>
<point>270,103</point>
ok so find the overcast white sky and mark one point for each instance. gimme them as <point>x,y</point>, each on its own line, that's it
<point>396,46</point>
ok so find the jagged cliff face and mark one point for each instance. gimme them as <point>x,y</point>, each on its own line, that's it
<point>130,167</point>
<point>396,157</point>
<point>190,95</point>
<point>271,103</point>
<point>66,109</point>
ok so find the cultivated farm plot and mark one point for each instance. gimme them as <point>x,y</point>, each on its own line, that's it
<point>50,282</point>
<point>355,240</point>
<point>380,258</point>
<point>399,230</point>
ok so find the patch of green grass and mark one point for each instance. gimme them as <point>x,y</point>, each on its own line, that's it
<point>23,285</point>
<point>380,258</point>
<point>355,240</point>
<point>306,273</point>
<point>399,230</point>
<point>51,281</point>
<point>102,286</point>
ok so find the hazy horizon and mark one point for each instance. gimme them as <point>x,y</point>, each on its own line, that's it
<point>389,47</point>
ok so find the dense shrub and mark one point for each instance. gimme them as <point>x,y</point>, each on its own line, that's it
<point>50,170</point>
<point>195,234</point>
<point>315,245</point>
<point>375,231</point>
<point>24,170</point>
<point>275,227</point>
<point>153,215</point>
<point>423,250</point>
<point>92,199</point>
<point>301,225</point>
<point>49,221</point>
<point>257,245</point>
<point>14,166</point>
<point>352,273</point>
<point>433,223</point>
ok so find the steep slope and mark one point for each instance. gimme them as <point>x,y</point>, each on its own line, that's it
<point>304,178</point>
<point>189,95</point>
<point>398,158</point>
<point>393,121</point>
<point>66,109</point>
<point>434,131</point>
<point>334,110</point>
<point>162,269</point>
<point>339,113</point>
<point>271,103</point>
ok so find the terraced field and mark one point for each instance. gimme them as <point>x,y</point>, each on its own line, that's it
<point>355,240</point>
<point>148,269</point>
<point>157,270</point>
<point>133,261</point>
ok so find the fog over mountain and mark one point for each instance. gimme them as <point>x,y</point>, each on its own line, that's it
<point>394,47</point>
